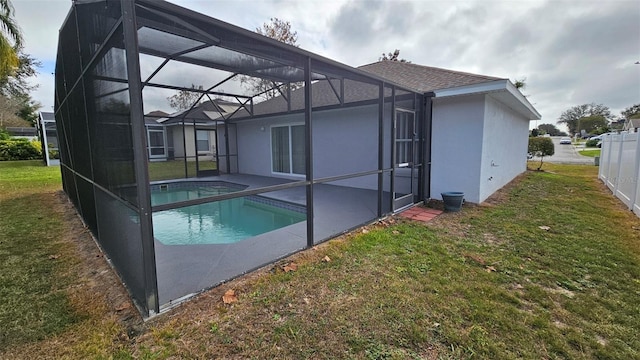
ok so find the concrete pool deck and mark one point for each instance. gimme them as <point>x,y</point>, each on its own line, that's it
<point>183,270</point>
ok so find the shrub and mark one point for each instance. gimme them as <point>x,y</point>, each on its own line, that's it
<point>4,134</point>
<point>541,147</point>
<point>53,154</point>
<point>20,149</point>
<point>591,143</point>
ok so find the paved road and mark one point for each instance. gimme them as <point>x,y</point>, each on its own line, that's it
<point>566,154</point>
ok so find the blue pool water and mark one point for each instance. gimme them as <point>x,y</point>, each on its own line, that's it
<point>220,222</point>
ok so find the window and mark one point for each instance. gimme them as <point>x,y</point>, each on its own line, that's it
<point>202,140</point>
<point>287,149</point>
<point>156,142</point>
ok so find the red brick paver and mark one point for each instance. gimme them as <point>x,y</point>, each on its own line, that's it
<point>420,213</point>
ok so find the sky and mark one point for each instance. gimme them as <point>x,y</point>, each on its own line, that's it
<point>571,52</point>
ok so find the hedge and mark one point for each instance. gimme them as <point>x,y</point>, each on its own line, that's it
<point>20,149</point>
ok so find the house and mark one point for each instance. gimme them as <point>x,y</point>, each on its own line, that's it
<point>172,136</point>
<point>632,125</point>
<point>28,133</point>
<point>479,130</point>
<point>337,148</point>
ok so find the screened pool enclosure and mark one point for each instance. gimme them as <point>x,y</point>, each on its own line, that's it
<point>276,150</point>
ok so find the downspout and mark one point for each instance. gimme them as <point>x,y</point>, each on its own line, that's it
<point>426,147</point>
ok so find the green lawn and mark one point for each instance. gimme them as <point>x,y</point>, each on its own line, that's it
<point>590,153</point>
<point>32,266</point>
<point>174,169</point>
<point>486,283</point>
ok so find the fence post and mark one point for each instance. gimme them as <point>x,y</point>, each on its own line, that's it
<point>634,193</point>
<point>615,185</point>
<point>609,151</point>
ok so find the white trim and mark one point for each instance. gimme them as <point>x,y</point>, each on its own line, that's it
<point>164,142</point>
<point>290,173</point>
<point>521,105</point>
<point>496,85</point>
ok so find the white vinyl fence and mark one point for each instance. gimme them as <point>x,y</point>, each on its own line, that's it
<point>620,167</point>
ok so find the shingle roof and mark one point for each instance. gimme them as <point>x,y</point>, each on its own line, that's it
<point>423,78</point>
<point>416,77</point>
<point>202,113</point>
<point>322,94</point>
<point>632,123</point>
<point>46,115</point>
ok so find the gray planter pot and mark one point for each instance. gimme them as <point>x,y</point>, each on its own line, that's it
<point>452,200</point>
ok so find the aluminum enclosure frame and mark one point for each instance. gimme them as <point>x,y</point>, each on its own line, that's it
<point>100,117</point>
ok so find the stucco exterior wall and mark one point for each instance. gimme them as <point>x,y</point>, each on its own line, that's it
<point>254,144</point>
<point>504,153</point>
<point>456,148</point>
<point>344,142</point>
<point>178,144</point>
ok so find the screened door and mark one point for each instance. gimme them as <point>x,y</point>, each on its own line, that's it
<point>207,152</point>
<point>405,159</point>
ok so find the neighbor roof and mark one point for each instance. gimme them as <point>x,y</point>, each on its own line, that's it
<point>46,115</point>
<point>202,113</point>
<point>632,123</point>
<point>424,78</point>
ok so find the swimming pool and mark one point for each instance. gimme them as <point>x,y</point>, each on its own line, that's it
<point>188,190</point>
<point>220,222</point>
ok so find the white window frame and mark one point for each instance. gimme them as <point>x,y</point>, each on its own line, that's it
<point>290,173</point>
<point>204,152</point>
<point>407,143</point>
<point>164,142</point>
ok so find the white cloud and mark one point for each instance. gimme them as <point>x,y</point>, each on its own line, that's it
<point>571,52</point>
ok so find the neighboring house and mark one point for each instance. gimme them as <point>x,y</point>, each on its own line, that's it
<point>29,133</point>
<point>632,125</point>
<point>168,139</point>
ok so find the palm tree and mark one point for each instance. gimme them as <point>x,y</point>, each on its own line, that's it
<point>10,39</point>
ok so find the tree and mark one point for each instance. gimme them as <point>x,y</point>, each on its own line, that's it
<point>550,129</point>
<point>28,110</point>
<point>8,109</point>
<point>572,116</point>
<point>15,68</point>
<point>630,111</point>
<point>592,124</point>
<point>541,147</point>
<point>16,87</point>
<point>534,133</point>
<point>184,99</point>
<point>394,56</point>
<point>16,84</point>
<point>279,30</point>
<point>10,40</point>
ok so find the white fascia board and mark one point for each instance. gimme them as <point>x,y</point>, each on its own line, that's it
<point>518,95</point>
<point>517,102</point>
<point>491,86</point>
